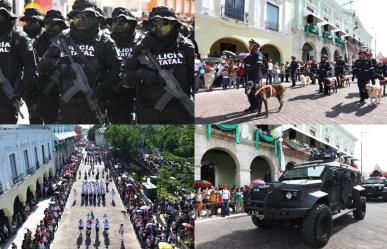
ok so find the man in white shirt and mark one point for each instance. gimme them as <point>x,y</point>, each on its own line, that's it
<point>225,200</point>
<point>198,64</point>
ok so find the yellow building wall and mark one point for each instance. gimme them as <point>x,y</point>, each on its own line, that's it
<point>208,30</point>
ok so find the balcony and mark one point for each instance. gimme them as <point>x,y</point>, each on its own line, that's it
<point>327,36</point>
<point>312,29</point>
<point>37,165</point>
<point>46,160</point>
<point>272,26</point>
<point>18,179</point>
<point>234,13</point>
<point>1,188</point>
<point>30,171</point>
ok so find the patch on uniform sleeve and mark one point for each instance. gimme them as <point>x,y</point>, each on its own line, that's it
<point>29,45</point>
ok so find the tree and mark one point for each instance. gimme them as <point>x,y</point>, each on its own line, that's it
<point>125,137</point>
<point>91,133</point>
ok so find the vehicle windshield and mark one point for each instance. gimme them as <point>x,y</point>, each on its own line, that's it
<point>374,181</point>
<point>310,172</point>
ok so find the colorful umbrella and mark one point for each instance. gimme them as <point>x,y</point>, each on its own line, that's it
<point>202,184</point>
<point>144,208</point>
<point>258,182</point>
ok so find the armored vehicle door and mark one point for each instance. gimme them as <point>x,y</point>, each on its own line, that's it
<point>332,187</point>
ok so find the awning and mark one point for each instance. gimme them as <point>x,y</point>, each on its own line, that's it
<point>64,135</point>
<point>316,19</point>
<point>283,128</point>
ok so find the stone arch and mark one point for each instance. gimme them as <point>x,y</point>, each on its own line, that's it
<point>228,43</point>
<point>308,51</point>
<point>273,52</point>
<point>326,51</point>
<point>263,168</point>
<point>30,194</point>
<point>17,204</point>
<point>224,163</point>
<point>5,217</point>
<point>38,187</point>
<point>51,172</point>
<point>337,53</point>
<point>45,175</point>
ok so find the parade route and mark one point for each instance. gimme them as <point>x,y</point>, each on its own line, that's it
<point>67,235</point>
<point>302,105</point>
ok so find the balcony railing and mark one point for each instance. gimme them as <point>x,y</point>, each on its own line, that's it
<point>31,170</point>
<point>37,165</point>
<point>272,25</point>
<point>46,160</point>
<point>236,14</point>
<point>1,188</point>
<point>18,178</point>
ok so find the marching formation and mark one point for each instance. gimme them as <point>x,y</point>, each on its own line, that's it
<point>95,69</point>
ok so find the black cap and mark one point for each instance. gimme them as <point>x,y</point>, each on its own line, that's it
<point>252,41</point>
<point>83,6</point>
<point>121,12</point>
<point>6,6</point>
<point>162,12</point>
<point>32,13</point>
<point>55,15</point>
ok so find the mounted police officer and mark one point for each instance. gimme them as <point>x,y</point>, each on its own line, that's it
<point>364,72</point>
<point>123,31</point>
<point>294,66</point>
<point>323,69</point>
<point>41,98</point>
<point>173,52</point>
<point>33,19</point>
<point>339,69</point>
<point>93,51</point>
<point>17,64</point>
<point>255,63</point>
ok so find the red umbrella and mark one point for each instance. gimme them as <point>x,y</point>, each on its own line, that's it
<point>187,225</point>
<point>202,184</point>
<point>309,62</point>
<point>258,182</point>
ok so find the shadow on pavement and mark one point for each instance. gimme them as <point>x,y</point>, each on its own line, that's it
<point>283,237</point>
<point>80,240</point>
<point>353,107</point>
<point>97,243</point>
<point>352,95</point>
<point>312,96</point>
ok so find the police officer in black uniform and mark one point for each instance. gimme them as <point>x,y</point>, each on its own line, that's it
<point>323,68</point>
<point>33,19</point>
<point>384,68</point>
<point>39,96</point>
<point>364,72</point>
<point>339,69</point>
<point>123,31</point>
<point>95,51</point>
<point>173,52</point>
<point>294,66</point>
<point>313,70</point>
<point>17,62</point>
<point>254,63</point>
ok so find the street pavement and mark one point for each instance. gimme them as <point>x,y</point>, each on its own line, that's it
<point>67,235</point>
<point>32,221</point>
<point>239,232</point>
<point>302,106</point>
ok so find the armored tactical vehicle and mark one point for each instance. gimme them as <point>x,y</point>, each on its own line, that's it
<point>309,195</point>
<point>375,187</point>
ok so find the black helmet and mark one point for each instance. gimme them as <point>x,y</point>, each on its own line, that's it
<point>55,15</point>
<point>83,6</point>
<point>252,41</point>
<point>6,6</point>
<point>121,12</point>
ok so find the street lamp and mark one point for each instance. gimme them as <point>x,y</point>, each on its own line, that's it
<point>350,4</point>
<point>361,151</point>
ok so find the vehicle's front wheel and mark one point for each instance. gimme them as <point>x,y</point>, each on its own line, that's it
<point>263,224</point>
<point>317,226</point>
<point>360,210</point>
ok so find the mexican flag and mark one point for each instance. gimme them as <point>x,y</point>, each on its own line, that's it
<point>42,5</point>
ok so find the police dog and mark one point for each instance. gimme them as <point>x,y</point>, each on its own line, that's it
<point>264,92</point>
<point>345,80</point>
<point>329,85</point>
<point>375,93</point>
<point>305,80</point>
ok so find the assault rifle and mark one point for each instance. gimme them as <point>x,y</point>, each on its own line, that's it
<point>8,90</point>
<point>172,86</point>
<point>80,84</point>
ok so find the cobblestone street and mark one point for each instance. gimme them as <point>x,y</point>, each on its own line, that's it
<point>302,106</point>
<point>239,232</point>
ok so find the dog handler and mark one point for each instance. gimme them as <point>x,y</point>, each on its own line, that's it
<point>364,72</point>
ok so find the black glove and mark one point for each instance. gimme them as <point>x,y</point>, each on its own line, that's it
<point>63,66</point>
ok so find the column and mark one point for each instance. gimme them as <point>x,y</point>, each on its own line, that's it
<point>217,8</point>
<point>252,15</point>
<point>243,178</point>
<point>197,172</point>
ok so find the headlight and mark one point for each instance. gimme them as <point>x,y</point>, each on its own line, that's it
<point>289,195</point>
<point>380,187</point>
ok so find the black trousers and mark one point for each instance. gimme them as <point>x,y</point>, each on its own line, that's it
<point>362,90</point>
<point>121,108</point>
<point>76,113</point>
<point>321,85</point>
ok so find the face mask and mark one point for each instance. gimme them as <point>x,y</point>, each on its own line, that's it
<point>162,28</point>
<point>32,26</point>
<point>121,26</point>
<point>53,28</point>
<point>84,20</point>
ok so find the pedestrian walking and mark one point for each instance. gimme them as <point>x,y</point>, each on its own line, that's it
<point>113,193</point>
<point>75,195</point>
<point>96,226</point>
<point>121,232</point>
<point>80,226</point>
